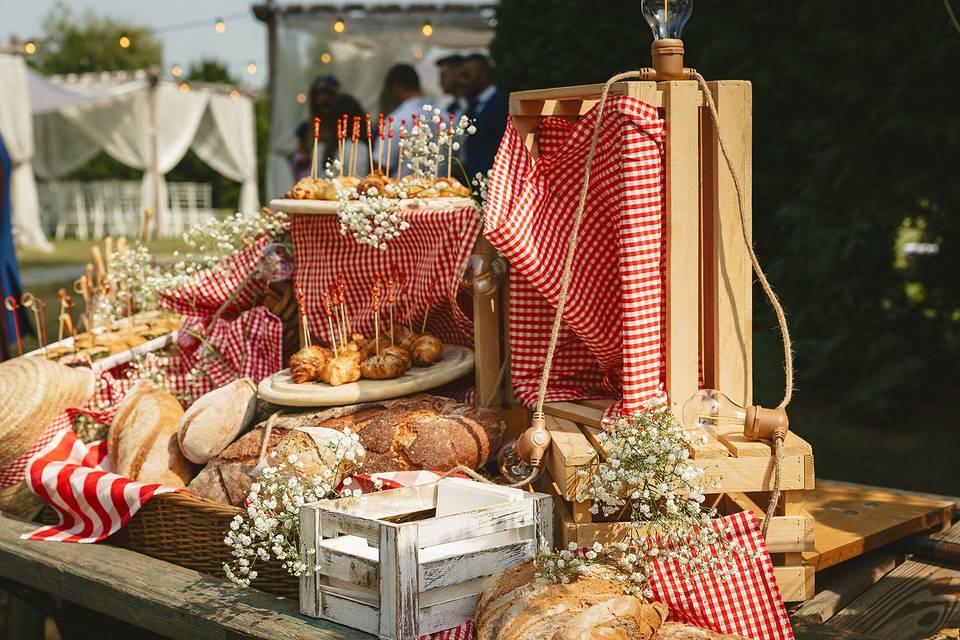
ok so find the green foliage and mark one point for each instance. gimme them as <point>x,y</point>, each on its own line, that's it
<point>856,135</point>
<point>78,44</point>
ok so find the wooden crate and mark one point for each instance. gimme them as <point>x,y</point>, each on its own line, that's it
<point>408,562</point>
<point>708,318</point>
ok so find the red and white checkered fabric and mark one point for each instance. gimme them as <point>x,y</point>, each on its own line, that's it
<point>746,602</point>
<point>611,341</point>
<point>429,257</point>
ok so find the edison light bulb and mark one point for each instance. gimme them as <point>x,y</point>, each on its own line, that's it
<point>667,17</point>
<point>482,274</point>
<point>710,408</point>
<point>512,466</point>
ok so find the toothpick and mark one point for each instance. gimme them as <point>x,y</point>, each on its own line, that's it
<point>341,293</point>
<point>380,136</point>
<point>450,149</point>
<point>390,300</point>
<point>304,328</point>
<point>401,135</point>
<point>329,312</point>
<point>341,328</point>
<point>376,313</point>
<point>10,302</point>
<point>316,139</point>
<point>426,313</point>
<point>389,145</point>
<point>341,141</point>
<point>28,301</point>
<point>370,142</point>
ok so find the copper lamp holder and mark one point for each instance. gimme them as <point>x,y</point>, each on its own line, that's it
<point>667,61</point>
<point>534,442</point>
<point>765,424</point>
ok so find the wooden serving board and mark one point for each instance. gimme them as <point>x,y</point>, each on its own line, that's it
<point>280,389</point>
<point>331,207</point>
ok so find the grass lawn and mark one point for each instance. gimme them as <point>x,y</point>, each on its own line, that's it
<point>73,251</point>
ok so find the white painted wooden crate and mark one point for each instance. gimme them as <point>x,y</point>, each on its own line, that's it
<point>401,580</point>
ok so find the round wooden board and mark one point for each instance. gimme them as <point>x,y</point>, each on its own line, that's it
<point>331,207</point>
<point>279,389</point>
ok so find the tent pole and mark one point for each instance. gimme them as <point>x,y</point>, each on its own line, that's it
<point>154,159</point>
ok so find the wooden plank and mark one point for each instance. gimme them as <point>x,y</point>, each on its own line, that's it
<point>728,355</point>
<point>399,612</point>
<point>309,582</point>
<point>573,100</point>
<point>915,600</point>
<point>335,524</point>
<point>385,504</point>
<point>752,474</point>
<point>581,414</point>
<point>681,103</point>
<point>471,524</point>
<point>356,570</point>
<point>543,504</point>
<point>943,546</point>
<point>152,594</point>
<point>838,586</point>
<point>570,451</point>
<point>851,521</point>
<point>487,338</point>
<point>350,613</point>
<point>796,583</point>
<point>444,572</point>
<point>447,615</point>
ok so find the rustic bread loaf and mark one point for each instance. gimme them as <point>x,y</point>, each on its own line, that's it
<point>316,449</point>
<point>142,441</point>
<point>216,419</point>
<point>518,605</point>
<point>420,432</point>
<point>227,477</point>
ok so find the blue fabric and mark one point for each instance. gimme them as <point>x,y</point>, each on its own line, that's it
<point>491,122</point>
<point>9,269</point>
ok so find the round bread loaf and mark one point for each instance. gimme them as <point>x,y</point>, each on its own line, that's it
<point>216,419</point>
<point>227,477</point>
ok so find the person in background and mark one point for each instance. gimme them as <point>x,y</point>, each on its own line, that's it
<point>488,108</point>
<point>323,92</point>
<point>343,104</point>
<point>402,86</point>
<point>450,67</point>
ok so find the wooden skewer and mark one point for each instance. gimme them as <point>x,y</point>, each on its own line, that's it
<point>380,136</point>
<point>426,313</point>
<point>97,258</point>
<point>304,327</point>
<point>338,318</point>
<point>29,301</point>
<point>107,252</point>
<point>10,302</point>
<point>316,140</point>
<point>389,145</point>
<point>66,317</point>
<point>370,142</point>
<point>400,147</point>
<point>329,312</point>
<point>450,149</point>
<point>341,293</point>
<point>390,300</point>
<point>376,313</point>
<point>145,229</point>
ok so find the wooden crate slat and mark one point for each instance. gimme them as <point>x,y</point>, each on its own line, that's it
<point>357,570</point>
<point>334,524</point>
<point>796,582</point>
<point>386,504</point>
<point>486,338</point>
<point>399,614</point>
<point>310,530</point>
<point>579,413</point>
<point>681,103</point>
<point>447,615</point>
<point>461,526</point>
<point>575,100</point>
<point>570,451</point>
<point>851,521</point>
<point>454,570</point>
<point>351,613</point>
<point>752,474</point>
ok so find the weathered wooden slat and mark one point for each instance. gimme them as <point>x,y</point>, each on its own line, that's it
<point>335,524</point>
<point>475,564</point>
<point>681,103</point>
<point>575,100</point>
<point>310,530</point>
<point>362,572</point>
<point>915,600</point>
<point>838,586</point>
<point>399,612</point>
<point>575,412</point>
<point>851,521</point>
<point>386,504</point>
<point>460,526</point>
<point>152,594</point>
<point>447,615</point>
<point>350,613</point>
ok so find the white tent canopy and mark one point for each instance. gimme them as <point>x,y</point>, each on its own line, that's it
<point>144,124</point>
<point>379,34</point>
<point>16,128</point>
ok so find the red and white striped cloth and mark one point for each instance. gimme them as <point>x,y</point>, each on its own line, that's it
<point>429,257</point>
<point>611,341</point>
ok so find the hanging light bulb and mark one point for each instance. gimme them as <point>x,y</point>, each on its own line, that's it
<point>325,57</point>
<point>176,71</point>
<point>184,87</point>
<point>339,26</point>
<point>711,408</point>
<point>220,25</point>
<point>521,460</point>
<point>124,42</point>
<point>302,98</point>
<point>482,274</point>
<point>427,29</point>
<point>30,47</point>
<point>251,67</point>
<point>234,94</point>
<point>667,19</point>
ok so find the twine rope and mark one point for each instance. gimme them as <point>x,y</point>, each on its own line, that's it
<point>754,261</point>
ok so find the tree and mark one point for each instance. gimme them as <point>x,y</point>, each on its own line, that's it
<point>856,141</point>
<point>78,44</point>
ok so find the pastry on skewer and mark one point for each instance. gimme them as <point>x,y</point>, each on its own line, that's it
<point>426,349</point>
<point>392,362</point>
<point>306,364</point>
<point>342,369</point>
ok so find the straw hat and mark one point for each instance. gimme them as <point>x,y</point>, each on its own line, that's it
<point>34,391</point>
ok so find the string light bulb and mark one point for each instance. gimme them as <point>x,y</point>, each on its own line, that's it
<point>711,408</point>
<point>176,71</point>
<point>427,29</point>
<point>339,26</point>
<point>235,94</point>
<point>667,19</point>
<point>325,57</point>
<point>220,25</point>
<point>124,42</point>
<point>251,67</point>
<point>184,87</point>
<point>30,47</point>
<point>302,98</point>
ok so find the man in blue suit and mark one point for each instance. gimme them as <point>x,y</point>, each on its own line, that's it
<point>487,106</point>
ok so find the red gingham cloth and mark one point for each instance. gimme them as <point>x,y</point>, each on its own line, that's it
<point>429,256</point>
<point>611,341</point>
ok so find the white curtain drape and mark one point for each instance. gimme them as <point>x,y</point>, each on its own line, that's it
<point>16,127</point>
<point>226,140</point>
<point>121,126</point>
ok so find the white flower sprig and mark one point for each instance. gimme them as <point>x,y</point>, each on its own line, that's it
<point>270,526</point>
<point>646,471</point>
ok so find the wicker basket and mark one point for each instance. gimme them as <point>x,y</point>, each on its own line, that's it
<point>188,531</point>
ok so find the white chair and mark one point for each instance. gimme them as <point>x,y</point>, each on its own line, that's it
<point>73,215</point>
<point>95,195</point>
